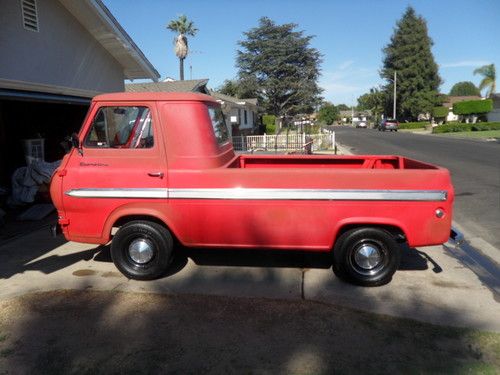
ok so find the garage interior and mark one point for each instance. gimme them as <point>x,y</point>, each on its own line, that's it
<point>32,116</point>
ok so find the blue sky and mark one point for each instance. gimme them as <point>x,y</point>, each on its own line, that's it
<point>349,34</point>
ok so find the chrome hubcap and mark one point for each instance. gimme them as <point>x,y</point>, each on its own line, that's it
<point>141,250</point>
<point>367,257</point>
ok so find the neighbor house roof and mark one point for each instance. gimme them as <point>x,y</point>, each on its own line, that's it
<point>100,23</point>
<point>194,85</point>
<point>450,100</point>
<point>227,98</point>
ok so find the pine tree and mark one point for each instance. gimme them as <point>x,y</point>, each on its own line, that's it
<point>409,54</point>
<point>278,62</point>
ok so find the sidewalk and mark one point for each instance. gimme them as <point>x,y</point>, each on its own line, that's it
<point>431,286</point>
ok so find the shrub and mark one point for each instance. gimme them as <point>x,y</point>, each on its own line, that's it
<point>413,125</point>
<point>472,107</point>
<point>440,112</point>
<point>458,127</point>
<point>269,122</point>
<point>482,126</point>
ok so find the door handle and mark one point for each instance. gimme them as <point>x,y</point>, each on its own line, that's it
<point>156,174</point>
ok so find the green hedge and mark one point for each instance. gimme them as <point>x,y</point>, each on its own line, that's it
<point>472,107</point>
<point>270,122</point>
<point>458,127</point>
<point>440,112</point>
<point>413,125</point>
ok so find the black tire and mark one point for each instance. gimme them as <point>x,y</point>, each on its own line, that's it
<point>348,256</point>
<point>155,237</point>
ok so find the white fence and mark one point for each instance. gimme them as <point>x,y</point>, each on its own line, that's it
<point>292,142</point>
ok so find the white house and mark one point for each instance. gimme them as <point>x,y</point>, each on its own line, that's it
<point>55,55</point>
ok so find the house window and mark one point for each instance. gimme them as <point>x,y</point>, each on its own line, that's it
<point>246,117</point>
<point>30,15</point>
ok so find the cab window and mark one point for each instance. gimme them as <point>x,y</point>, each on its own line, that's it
<point>219,125</point>
<point>121,127</point>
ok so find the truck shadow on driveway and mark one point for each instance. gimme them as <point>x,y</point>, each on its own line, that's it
<point>411,259</point>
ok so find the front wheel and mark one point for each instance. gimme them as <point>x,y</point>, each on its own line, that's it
<point>366,256</point>
<point>142,250</point>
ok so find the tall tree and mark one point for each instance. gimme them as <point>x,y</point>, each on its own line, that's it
<point>239,89</point>
<point>229,87</point>
<point>278,62</point>
<point>328,113</point>
<point>375,101</point>
<point>183,27</point>
<point>489,78</point>
<point>343,107</point>
<point>464,88</point>
<point>409,54</point>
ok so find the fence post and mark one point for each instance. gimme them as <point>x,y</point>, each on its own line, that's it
<point>333,140</point>
<point>303,140</point>
<point>265,141</point>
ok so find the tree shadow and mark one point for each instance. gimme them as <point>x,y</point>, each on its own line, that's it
<point>113,332</point>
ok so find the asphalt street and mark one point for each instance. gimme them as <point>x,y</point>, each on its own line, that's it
<point>474,167</point>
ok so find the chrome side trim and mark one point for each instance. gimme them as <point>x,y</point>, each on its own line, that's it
<point>309,194</point>
<point>264,194</point>
<point>119,193</point>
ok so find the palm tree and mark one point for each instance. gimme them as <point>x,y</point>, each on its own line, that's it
<point>183,27</point>
<point>488,72</point>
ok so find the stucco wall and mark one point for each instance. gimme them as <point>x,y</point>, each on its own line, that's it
<point>61,54</point>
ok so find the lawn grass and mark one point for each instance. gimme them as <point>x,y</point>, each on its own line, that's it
<point>478,135</point>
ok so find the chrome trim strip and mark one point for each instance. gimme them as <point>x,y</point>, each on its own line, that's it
<point>119,193</point>
<point>265,194</point>
<point>309,194</point>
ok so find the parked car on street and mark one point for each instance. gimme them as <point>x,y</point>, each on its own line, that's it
<point>388,124</point>
<point>361,124</point>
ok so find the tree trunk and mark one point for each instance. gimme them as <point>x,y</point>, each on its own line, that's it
<point>181,69</point>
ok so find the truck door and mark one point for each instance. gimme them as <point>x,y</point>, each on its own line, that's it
<point>121,162</point>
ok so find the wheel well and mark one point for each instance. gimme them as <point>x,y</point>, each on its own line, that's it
<point>398,234</point>
<point>127,219</point>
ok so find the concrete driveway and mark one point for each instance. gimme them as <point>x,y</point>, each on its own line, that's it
<point>433,284</point>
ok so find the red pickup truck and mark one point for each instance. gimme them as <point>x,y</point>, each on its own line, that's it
<point>152,170</point>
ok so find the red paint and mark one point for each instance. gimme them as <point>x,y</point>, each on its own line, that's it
<point>186,152</point>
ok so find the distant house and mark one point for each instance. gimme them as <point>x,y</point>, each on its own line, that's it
<point>494,115</point>
<point>450,100</point>
<point>242,114</point>
<point>355,116</point>
<point>55,55</point>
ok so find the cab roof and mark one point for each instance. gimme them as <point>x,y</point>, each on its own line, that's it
<point>155,96</point>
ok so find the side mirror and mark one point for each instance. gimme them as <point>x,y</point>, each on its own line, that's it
<point>76,143</point>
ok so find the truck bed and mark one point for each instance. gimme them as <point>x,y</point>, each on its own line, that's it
<point>323,161</point>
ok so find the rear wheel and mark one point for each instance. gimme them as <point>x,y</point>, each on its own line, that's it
<point>142,250</point>
<point>366,256</point>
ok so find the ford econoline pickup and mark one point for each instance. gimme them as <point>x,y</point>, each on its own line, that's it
<point>156,172</point>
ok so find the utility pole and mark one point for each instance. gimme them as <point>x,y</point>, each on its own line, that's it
<point>352,110</point>
<point>394,103</point>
